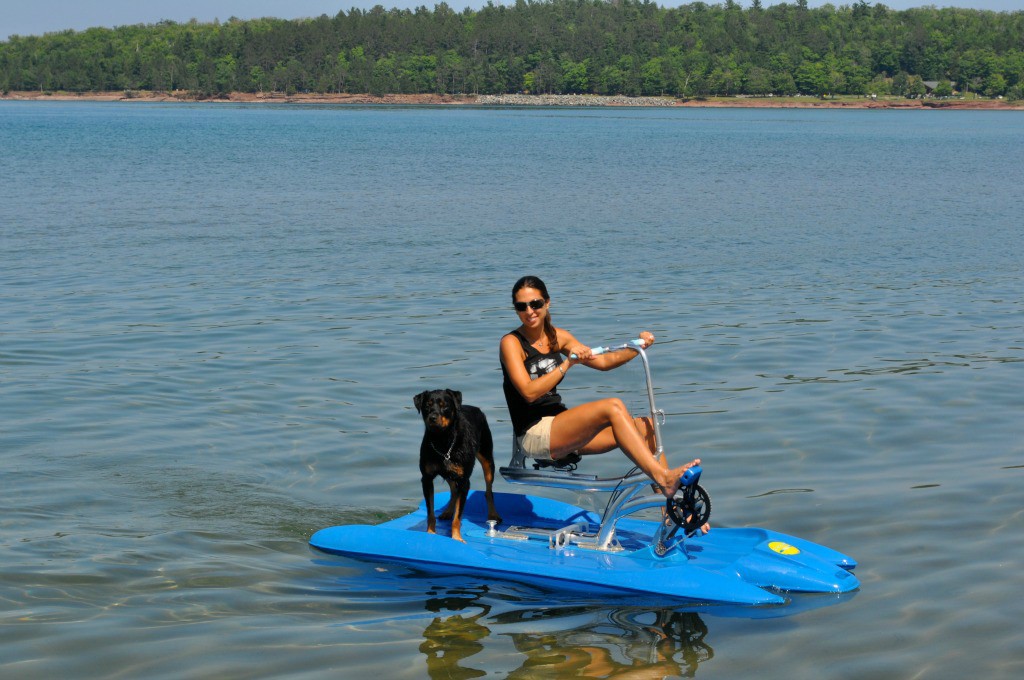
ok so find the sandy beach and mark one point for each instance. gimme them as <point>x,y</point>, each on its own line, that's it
<point>522,100</point>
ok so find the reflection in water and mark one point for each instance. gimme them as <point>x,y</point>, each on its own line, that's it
<point>571,641</point>
<point>449,640</point>
<point>620,643</point>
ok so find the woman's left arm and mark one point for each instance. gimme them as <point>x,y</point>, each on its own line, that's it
<point>606,362</point>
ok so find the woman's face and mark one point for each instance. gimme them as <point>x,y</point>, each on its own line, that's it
<point>526,299</point>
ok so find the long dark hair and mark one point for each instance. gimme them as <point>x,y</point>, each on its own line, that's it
<point>549,328</point>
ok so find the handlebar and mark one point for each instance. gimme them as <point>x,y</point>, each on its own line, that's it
<point>632,344</point>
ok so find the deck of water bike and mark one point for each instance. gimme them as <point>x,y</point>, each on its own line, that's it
<point>544,539</point>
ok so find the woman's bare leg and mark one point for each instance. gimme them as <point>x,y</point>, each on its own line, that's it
<point>600,426</point>
<point>646,429</point>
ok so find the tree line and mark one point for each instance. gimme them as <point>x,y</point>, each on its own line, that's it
<point>630,47</point>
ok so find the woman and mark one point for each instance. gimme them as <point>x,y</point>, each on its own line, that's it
<point>536,357</point>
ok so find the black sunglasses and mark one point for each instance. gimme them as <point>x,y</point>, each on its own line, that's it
<point>532,304</point>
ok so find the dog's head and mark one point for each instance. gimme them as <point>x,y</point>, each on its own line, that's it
<point>438,407</point>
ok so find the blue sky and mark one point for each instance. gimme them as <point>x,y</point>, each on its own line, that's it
<point>35,17</point>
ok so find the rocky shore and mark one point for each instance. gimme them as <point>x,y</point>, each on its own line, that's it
<point>571,100</point>
<point>523,100</point>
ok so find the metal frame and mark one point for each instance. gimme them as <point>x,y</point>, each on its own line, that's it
<point>626,490</point>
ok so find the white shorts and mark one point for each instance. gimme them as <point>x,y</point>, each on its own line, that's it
<point>536,442</point>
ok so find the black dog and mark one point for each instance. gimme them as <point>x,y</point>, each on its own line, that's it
<point>456,435</point>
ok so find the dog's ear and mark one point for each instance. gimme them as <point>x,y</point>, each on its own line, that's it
<point>418,400</point>
<point>456,397</point>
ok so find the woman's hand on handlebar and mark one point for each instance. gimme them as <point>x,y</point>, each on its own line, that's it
<point>579,352</point>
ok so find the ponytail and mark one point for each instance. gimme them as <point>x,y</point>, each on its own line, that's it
<point>549,330</point>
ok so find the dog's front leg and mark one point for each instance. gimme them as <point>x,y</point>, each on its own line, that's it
<point>459,489</point>
<point>428,496</point>
<point>449,510</point>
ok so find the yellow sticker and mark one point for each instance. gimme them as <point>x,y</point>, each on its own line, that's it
<point>783,548</point>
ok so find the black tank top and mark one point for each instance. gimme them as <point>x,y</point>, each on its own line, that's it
<point>525,414</point>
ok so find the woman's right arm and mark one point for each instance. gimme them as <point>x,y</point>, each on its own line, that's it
<point>512,357</point>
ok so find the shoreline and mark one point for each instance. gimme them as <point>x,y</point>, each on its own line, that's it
<point>523,100</point>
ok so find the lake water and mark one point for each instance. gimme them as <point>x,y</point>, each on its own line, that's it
<point>214,319</point>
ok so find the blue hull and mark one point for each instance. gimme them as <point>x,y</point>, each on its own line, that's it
<point>726,566</point>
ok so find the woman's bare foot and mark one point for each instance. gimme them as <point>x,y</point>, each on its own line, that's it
<point>671,479</point>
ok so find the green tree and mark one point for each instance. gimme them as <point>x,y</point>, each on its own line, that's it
<point>783,83</point>
<point>259,78</point>
<point>880,85</point>
<point>812,78</point>
<point>915,87</point>
<point>418,73</point>
<point>758,81</point>
<point>529,81</point>
<point>226,72</point>
<point>341,71</point>
<point>385,76</point>
<point>995,85</point>
<point>450,73</point>
<point>652,77</point>
<point>574,76</point>
<point>626,46</point>
<point>610,80</point>
<point>360,69</point>
<point>901,84</point>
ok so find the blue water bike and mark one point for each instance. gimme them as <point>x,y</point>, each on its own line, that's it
<point>540,539</point>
